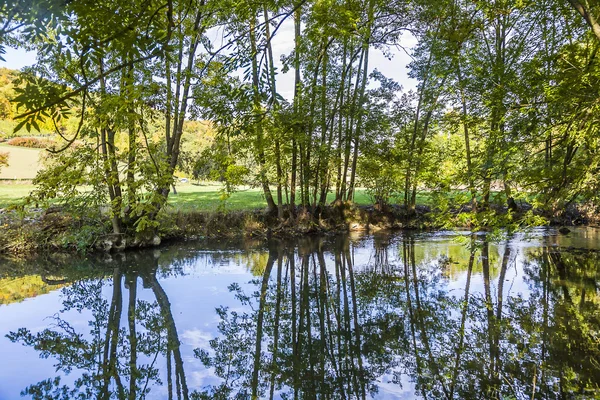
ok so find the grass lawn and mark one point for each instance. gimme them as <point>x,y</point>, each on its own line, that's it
<point>189,197</point>
<point>23,162</point>
<point>204,197</point>
<point>192,197</point>
<point>7,130</point>
<point>13,192</point>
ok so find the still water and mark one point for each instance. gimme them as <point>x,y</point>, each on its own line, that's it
<point>427,316</point>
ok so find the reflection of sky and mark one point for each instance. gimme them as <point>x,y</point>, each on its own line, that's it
<point>202,287</point>
<point>193,299</point>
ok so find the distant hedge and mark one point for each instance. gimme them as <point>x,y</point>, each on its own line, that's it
<point>35,143</point>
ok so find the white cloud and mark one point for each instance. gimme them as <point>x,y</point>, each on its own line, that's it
<point>196,338</point>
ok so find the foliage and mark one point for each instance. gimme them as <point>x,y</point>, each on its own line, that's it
<point>31,142</point>
<point>3,159</point>
<point>215,163</point>
<point>379,174</point>
<point>97,72</point>
<point>505,107</point>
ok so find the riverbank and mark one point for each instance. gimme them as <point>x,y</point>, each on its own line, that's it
<point>55,229</point>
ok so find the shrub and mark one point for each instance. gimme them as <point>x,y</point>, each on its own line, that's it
<point>32,142</point>
<point>5,108</point>
<point>3,159</point>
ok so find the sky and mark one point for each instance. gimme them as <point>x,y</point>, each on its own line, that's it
<point>283,43</point>
<point>17,58</point>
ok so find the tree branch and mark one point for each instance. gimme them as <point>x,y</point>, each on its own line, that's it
<point>589,18</point>
<point>87,85</point>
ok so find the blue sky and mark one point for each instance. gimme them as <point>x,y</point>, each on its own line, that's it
<point>17,58</point>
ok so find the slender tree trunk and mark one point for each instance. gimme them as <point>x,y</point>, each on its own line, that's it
<point>297,94</point>
<point>349,129</point>
<point>340,123</point>
<point>131,136</point>
<point>178,104</point>
<point>465,123</point>
<point>111,171</point>
<point>258,126</point>
<point>362,98</point>
<point>323,156</point>
<point>271,67</point>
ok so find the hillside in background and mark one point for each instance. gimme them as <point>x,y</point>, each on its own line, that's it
<point>24,163</point>
<point>8,110</point>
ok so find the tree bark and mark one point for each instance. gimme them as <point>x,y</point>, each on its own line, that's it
<point>587,16</point>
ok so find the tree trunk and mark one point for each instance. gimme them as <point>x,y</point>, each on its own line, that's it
<point>587,16</point>
<point>271,68</point>
<point>258,127</point>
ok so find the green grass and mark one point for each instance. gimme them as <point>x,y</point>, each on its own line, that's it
<point>11,193</point>
<point>7,130</point>
<point>192,197</point>
<point>189,197</point>
<point>205,197</point>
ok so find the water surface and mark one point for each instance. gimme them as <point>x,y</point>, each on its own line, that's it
<point>437,316</point>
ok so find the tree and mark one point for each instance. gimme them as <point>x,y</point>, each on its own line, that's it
<point>587,12</point>
<point>493,78</point>
<point>123,76</point>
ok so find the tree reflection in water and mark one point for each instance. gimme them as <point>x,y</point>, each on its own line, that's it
<point>108,356</point>
<point>326,330</point>
<point>318,325</point>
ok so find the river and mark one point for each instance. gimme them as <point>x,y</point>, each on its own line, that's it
<point>445,315</point>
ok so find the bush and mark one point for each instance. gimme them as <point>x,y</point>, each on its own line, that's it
<point>5,109</point>
<point>31,142</point>
<point>3,159</point>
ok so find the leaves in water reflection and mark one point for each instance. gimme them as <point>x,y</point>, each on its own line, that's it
<point>335,332</point>
<point>318,325</point>
<point>108,355</point>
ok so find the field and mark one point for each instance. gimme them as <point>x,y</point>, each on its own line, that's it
<point>23,162</point>
<point>189,197</point>
<point>7,130</point>
<point>13,192</point>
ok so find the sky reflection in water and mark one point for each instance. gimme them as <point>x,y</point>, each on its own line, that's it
<point>385,316</point>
